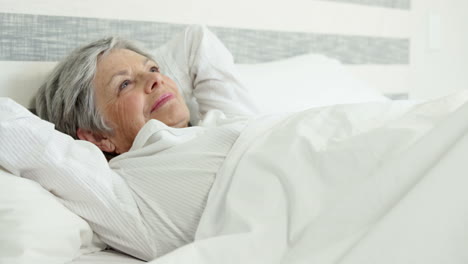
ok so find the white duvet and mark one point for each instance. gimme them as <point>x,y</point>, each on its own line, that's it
<point>368,183</point>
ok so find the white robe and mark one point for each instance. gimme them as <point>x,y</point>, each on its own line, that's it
<point>204,71</point>
<point>149,200</point>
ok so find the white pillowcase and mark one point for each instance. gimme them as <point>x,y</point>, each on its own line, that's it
<point>36,228</point>
<point>302,82</point>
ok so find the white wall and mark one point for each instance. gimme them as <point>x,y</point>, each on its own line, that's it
<point>431,72</point>
<point>435,72</point>
<point>291,15</point>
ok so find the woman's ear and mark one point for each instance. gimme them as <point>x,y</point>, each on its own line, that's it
<point>102,142</point>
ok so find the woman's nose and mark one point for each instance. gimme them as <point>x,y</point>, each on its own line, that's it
<point>154,80</point>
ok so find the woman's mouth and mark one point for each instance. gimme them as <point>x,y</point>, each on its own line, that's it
<point>161,101</point>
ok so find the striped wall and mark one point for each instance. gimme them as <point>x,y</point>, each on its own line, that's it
<point>401,4</point>
<point>27,37</point>
<point>367,35</point>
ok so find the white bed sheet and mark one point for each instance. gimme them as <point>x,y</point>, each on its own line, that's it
<point>106,257</point>
<point>369,183</point>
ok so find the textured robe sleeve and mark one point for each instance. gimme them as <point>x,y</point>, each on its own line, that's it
<point>77,173</point>
<point>205,72</point>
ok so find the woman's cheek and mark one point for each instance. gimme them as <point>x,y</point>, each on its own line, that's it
<point>128,111</point>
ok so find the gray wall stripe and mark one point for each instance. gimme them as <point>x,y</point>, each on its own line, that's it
<point>260,46</point>
<point>25,37</point>
<point>400,4</point>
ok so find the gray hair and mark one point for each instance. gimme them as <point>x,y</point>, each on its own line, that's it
<point>67,96</point>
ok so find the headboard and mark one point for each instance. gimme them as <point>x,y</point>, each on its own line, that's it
<point>30,44</point>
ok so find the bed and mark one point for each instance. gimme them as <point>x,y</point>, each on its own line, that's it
<point>409,205</point>
<point>106,257</point>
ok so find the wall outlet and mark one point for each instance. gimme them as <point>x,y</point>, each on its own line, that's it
<point>434,32</point>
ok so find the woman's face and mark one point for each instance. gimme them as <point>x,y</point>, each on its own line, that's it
<point>130,90</point>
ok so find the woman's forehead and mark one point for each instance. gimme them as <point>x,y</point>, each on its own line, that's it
<point>118,57</point>
<point>119,62</point>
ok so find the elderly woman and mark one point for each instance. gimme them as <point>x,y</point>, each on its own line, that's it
<point>132,106</point>
<point>106,91</point>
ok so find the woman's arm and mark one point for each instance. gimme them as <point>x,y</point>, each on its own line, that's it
<point>77,173</point>
<point>204,69</point>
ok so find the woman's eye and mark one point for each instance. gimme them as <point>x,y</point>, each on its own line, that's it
<point>124,84</point>
<point>154,69</point>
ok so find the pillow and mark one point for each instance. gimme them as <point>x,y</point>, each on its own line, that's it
<point>302,82</point>
<point>36,228</point>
